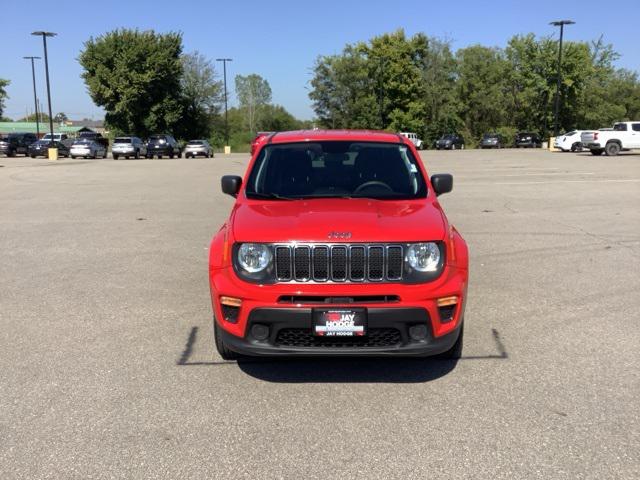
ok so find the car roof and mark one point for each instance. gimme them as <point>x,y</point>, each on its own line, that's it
<point>344,135</point>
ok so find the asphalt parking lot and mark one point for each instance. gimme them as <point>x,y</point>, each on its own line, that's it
<point>107,368</point>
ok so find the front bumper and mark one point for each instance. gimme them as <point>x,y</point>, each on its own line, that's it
<point>388,334</point>
<point>290,321</point>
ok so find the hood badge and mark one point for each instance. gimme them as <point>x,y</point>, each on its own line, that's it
<point>339,235</point>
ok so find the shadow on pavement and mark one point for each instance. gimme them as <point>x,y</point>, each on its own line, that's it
<point>343,369</point>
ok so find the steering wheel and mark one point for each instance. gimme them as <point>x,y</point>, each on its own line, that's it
<point>372,183</point>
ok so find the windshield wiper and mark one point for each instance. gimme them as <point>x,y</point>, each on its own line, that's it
<point>269,196</point>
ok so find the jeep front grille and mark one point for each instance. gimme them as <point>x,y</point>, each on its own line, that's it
<point>339,263</point>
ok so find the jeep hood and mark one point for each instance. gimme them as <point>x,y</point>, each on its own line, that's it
<point>313,220</point>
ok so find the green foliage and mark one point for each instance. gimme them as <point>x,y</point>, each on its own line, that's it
<point>60,117</point>
<point>417,84</point>
<point>201,93</point>
<point>253,93</point>
<point>136,77</point>
<point>3,94</point>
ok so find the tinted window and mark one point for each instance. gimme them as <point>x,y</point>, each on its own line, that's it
<point>336,169</point>
<point>635,127</point>
<point>122,140</point>
<point>196,142</point>
<point>620,127</point>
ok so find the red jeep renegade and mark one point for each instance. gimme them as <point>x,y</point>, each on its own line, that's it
<point>337,245</point>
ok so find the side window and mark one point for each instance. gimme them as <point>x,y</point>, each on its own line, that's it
<point>620,127</point>
<point>635,127</point>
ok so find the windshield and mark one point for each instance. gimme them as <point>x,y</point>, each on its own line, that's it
<point>195,142</point>
<point>488,136</point>
<point>448,137</point>
<point>336,169</point>
<point>82,141</point>
<point>122,140</point>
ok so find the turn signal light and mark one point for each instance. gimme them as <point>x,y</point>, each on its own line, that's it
<point>446,301</point>
<point>231,301</point>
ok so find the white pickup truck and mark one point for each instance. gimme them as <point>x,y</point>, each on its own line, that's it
<point>623,136</point>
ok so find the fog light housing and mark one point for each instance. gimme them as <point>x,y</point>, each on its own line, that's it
<point>447,308</point>
<point>259,331</point>
<point>418,332</point>
<point>230,307</point>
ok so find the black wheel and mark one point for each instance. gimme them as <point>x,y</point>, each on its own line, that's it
<point>223,350</point>
<point>612,149</point>
<point>115,157</point>
<point>576,147</point>
<point>597,151</point>
<point>32,156</point>
<point>455,351</point>
<point>73,157</point>
<point>137,155</point>
<point>159,156</point>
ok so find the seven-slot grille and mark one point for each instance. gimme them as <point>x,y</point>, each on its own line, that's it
<point>339,263</point>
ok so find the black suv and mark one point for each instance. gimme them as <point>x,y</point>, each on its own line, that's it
<point>450,141</point>
<point>528,140</point>
<point>14,143</point>
<point>159,145</point>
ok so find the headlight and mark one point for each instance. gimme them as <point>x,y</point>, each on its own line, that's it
<point>254,257</point>
<point>424,257</point>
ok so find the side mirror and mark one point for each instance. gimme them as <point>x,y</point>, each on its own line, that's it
<point>231,184</point>
<point>442,183</point>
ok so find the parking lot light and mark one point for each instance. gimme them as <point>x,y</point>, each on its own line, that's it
<point>46,69</point>
<point>35,96</point>
<point>226,115</point>
<point>561,24</point>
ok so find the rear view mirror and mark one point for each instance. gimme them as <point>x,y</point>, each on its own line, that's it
<point>231,184</point>
<point>442,183</point>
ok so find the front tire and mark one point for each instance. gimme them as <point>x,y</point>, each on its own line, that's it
<point>221,347</point>
<point>597,151</point>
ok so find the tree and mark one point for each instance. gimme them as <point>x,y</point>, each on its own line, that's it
<point>3,94</point>
<point>391,82</point>
<point>60,117</point>
<point>253,93</point>
<point>481,89</point>
<point>135,76</point>
<point>201,96</point>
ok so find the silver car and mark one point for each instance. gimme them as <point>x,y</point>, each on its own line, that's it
<point>195,148</point>
<point>128,147</point>
<point>84,147</point>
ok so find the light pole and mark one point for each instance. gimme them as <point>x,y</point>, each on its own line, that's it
<point>35,96</point>
<point>561,24</point>
<point>226,115</point>
<point>46,69</point>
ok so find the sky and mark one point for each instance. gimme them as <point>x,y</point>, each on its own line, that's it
<point>279,40</point>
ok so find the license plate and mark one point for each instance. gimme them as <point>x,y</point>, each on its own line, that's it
<point>340,322</point>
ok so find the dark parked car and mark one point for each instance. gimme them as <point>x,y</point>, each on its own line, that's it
<point>15,143</point>
<point>41,149</point>
<point>450,141</point>
<point>160,145</point>
<point>528,140</point>
<point>492,140</point>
